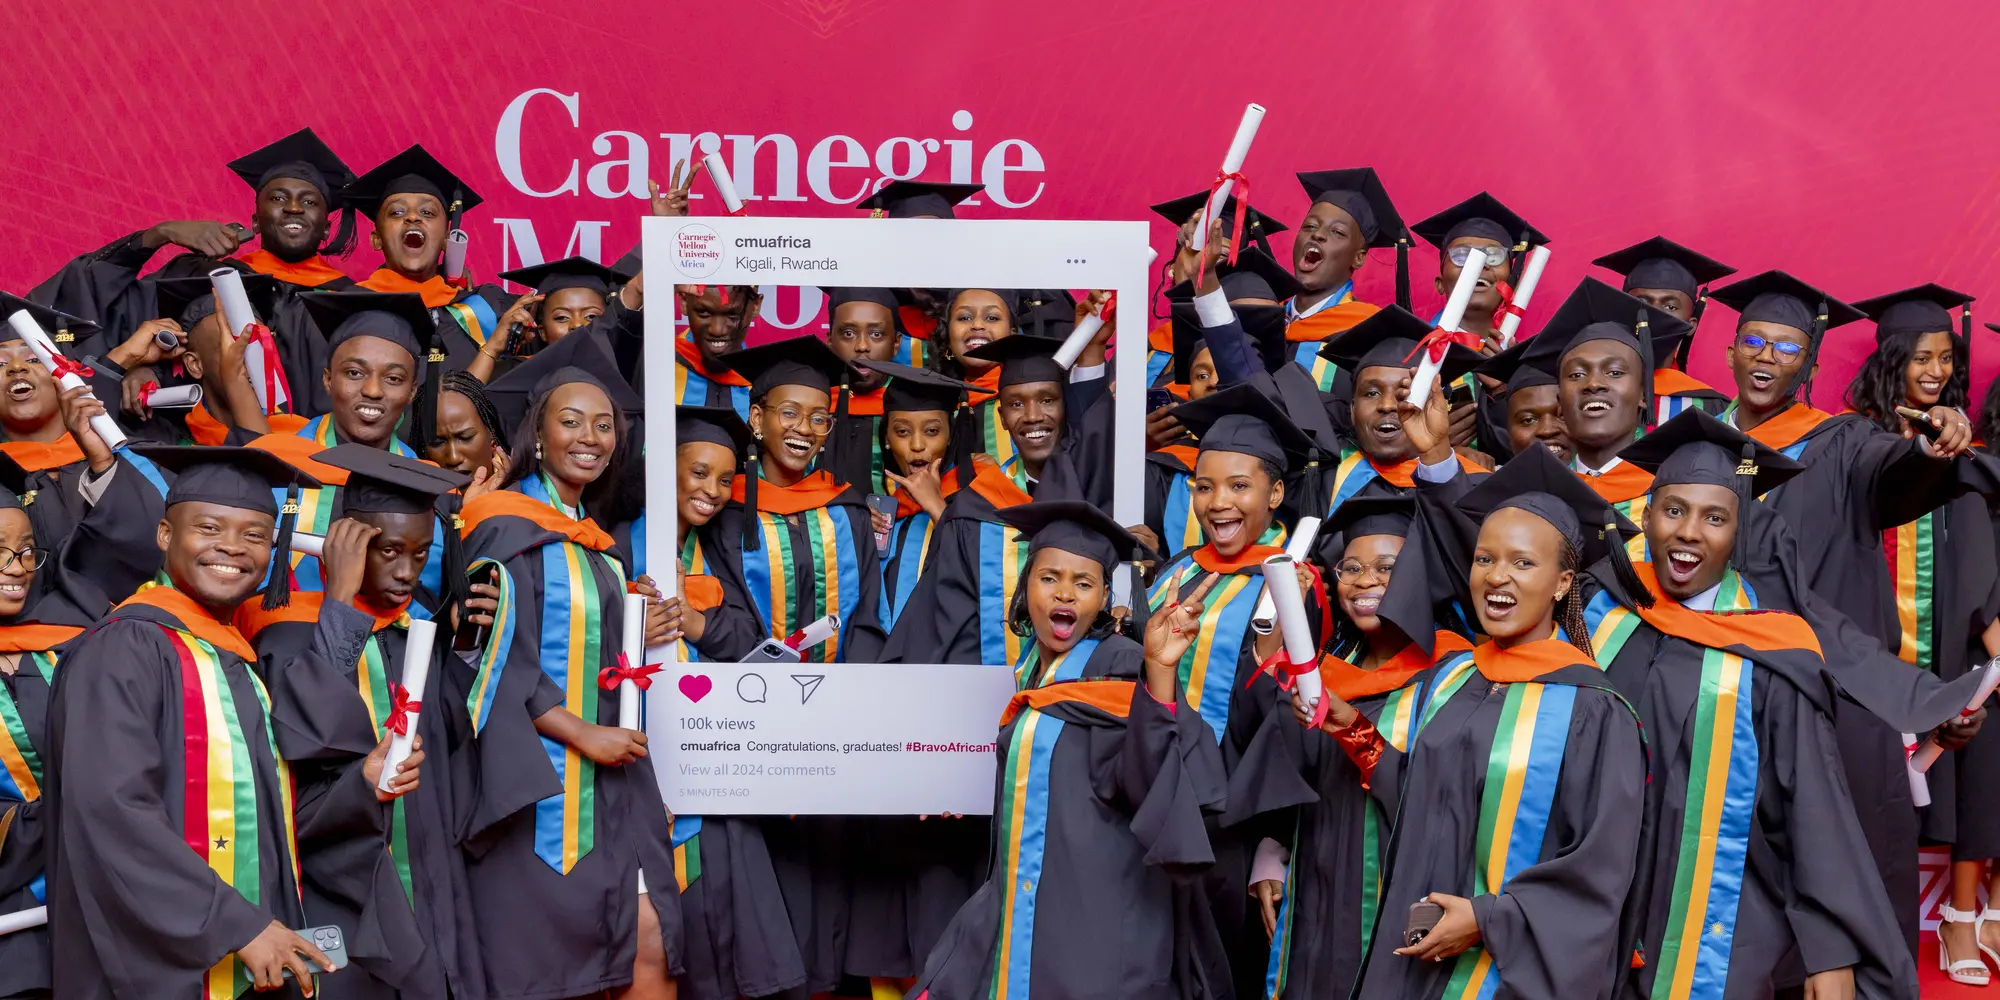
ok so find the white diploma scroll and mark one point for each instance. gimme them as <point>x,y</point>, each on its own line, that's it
<point>308,543</point>
<point>177,397</point>
<point>455,246</point>
<point>1079,339</point>
<point>1426,376</point>
<point>1929,753</point>
<point>1239,148</point>
<point>1531,276</point>
<point>635,654</point>
<point>724,184</point>
<point>814,633</point>
<point>1920,788</point>
<point>1264,618</point>
<point>416,676</point>
<point>1282,583</point>
<point>237,315</point>
<point>45,351</point>
<point>34,916</point>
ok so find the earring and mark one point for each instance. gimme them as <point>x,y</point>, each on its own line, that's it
<point>538,451</point>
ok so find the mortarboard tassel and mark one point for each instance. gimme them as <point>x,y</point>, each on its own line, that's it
<point>1746,491</point>
<point>344,235</point>
<point>1644,329</point>
<point>453,579</point>
<point>1811,354</point>
<point>1621,564</point>
<point>278,588</point>
<point>752,525</point>
<point>1686,348</point>
<point>1403,271</point>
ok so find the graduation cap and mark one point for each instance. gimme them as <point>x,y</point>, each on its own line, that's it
<point>401,318</point>
<point>884,297</point>
<point>918,390</point>
<point>1661,263</point>
<point>1597,311</point>
<point>1046,312</point>
<point>1694,447</point>
<point>1539,483</point>
<point>1389,339</point>
<point>1359,192</point>
<point>1777,297</point>
<point>190,300</point>
<point>1023,358</point>
<point>1244,419</point>
<point>1255,275</point>
<point>412,171</point>
<point>1481,215</point>
<point>60,326</point>
<point>1923,309</point>
<point>243,479</point>
<point>1007,296</point>
<point>1076,527</point>
<point>1257,227</point>
<point>1265,325</point>
<point>919,199</point>
<point>1407,601</point>
<point>804,361</point>
<point>303,156</point>
<point>569,272</point>
<point>1510,367</point>
<point>571,359</point>
<point>714,425</point>
<point>383,482</point>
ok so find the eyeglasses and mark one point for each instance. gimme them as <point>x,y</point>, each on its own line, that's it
<point>1750,345</point>
<point>1460,254</point>
<point>30,558</point>
<point>818,420</point>
<point>1352,570</point>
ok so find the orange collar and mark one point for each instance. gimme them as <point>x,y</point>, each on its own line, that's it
<point>701,591</point>
<point>948,486</point>
<point>1788,427</point>
<point>312,272</point>
<point>691,356</point>
<point>1403,473</point>
<point>206,430</point>
<point>1161,338</point>
<point>195,620</point>
<point>436,291</point>
<point>512,503</point>
<point>1526,661</point>
<point>1329,321</point>
<point>1674,382</point>
<point>1182,453</point>
<point>1760,630</point>
<point>1351,682</point>
<point>862,404</point>
<point>1624,482</point>
<point>811,493</point>
<point>1207,558</point>
<point>1114,697</point>
<point>985,386</point>
<point>990,482</point>
<point>35,638</point>
<point>35,456</point>
<point>299,451</point>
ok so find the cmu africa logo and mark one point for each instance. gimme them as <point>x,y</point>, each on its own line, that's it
<point>697,250</point>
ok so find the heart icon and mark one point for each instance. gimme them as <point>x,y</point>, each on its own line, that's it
<point>696,686</point>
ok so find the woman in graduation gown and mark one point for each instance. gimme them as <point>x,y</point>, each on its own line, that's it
<point>974,317</point>
<point>1318,887</point>
<point>1518,786</point>
<point>336,662</point>
<point>920,411</point>
<point>1751,850</point>
<point>1976,767</point>
<point>173,870</point>
<point>567,832</point>
<point>470,435</point>
<point>1106,775</point>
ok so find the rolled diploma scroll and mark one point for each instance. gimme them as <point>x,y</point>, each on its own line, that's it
<point>34,916</point>
<point>724,184</point>
<point>1239,148</point>
<point>1283,586</point>
<point>177,397</point>
<point>166,339</point>
<point>1454,312</point>
<point>1079,339</point>
<point>1928,754</point>
<point>416,675</point>
<point>1264,617</point>
<point>814,633</point>
<point>234,304</point>
<point>45,351</point>
<point>635,654</point>
<point>1920,789</point>
<point>1531,275</point>
<point>454,254</point>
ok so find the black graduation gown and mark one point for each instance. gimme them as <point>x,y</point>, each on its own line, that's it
<point>134,911</point>
<point>958,609</point>
<point>112,540</point>
<point>1965,593</point>
<point>1976,768</point>
<point>1807,883</point>
<point>854,451</point>
<point>545,933</point>
<point>1118,787</point>
<point>1554,931</point>
<point>24,955</point>
<point>422,944</point>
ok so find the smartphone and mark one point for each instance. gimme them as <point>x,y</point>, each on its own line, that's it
<point>328,940</point>
<point>885,506</point>
<point>772,651</point>
<point>471,635</point>
<point>1460,395</point>
<point>1159,399</point>
<point>1424,915</point>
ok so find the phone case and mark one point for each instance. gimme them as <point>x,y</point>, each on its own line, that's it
<point>1424,915</point>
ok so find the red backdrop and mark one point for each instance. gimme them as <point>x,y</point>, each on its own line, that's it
<point>1855,149</point>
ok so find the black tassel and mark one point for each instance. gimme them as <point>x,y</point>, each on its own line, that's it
<point>1811,354</point>
<point>1965,333</point>
<point>1403,272</point>
<point>1621,565</point>
<point>342,242</point>
<point>278,589</point>
<point>752,528</point>
<point>1643,328</point>
<point>964,430</point>
<point>453,577</point>
<point>1746,493</point>
<point>424,429</point>
<point>1682,352</point>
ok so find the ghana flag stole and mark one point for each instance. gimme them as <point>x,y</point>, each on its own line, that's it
<point>1208,668</point>
<point>571,648</point>
<point>20,762</point>
<point>219,817</point>
<point>1912,552</point>
<point>1022,826</point>
<point>773,573</point>
<point>371,676</point>
<point>1029,672</point>
<point>909,551</point>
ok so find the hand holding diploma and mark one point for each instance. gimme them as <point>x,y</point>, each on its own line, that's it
<point>1265,617</point>
<point>1926,755</point>
<point>1300,666</point>
<point>68,374</point>
<point>260,356</point>
<point>399,773</point>
<point>1093,313</point>
<point>1431,351</point>
<point>1227,178</point>
<point>402,780</point>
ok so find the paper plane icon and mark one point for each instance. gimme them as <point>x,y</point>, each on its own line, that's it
<point>808,683</point>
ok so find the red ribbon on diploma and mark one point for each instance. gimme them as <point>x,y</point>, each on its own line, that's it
<point>400,710</point>
<point>1280,665</point>
<point>274,373</point>
<point>1210,209</point>
<point>60,366</point>
<point>1507,307</point>
<point>610,677</point>
<point>1439,340</point>
<point>146,391</point>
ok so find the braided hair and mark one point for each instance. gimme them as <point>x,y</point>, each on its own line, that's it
<point>1569,609</point>
<point>474,391</point>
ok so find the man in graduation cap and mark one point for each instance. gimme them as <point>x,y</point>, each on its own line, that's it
<point>1673,279</point>
<point>1350,214</point>
<point>229,410</point>
<point>1480,222</point>
<point>862,327</point>
<point>1533,406</point>
<point>1600,346</point>
<point>568,295</point>
<point>1048,411</point>
<point>174,844</point>
<point>415,204</point>
<point>1183,214</point>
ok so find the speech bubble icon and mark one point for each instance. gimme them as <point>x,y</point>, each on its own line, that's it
<point>751,688</point>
